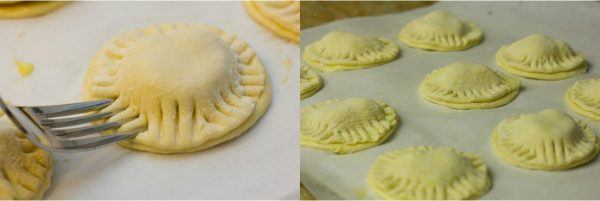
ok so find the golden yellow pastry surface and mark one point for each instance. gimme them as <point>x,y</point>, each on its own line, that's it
<point>584,98</point>
<point>280,17</point>
<point>190,86</point>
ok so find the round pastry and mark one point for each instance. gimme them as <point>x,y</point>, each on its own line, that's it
<point>348,125</point>
<point>464,85</point>
<point>26,169</point>
<point>190,86</point>
<point>429,173</point>
<point>280,17</point>
<point>346,51</point>
<point>310,82</point>
<point>24,9</point>
<point>584,98</point>
<point>546,140</point>
<point>440,31</point>
<point>541,57</point>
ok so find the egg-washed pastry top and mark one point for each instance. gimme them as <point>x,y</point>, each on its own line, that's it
<point>440,31</point>
<point>541,57</point>
<point>25,9</point>
<point>546,140</point>
<point>26,170</point>
<point>584,98</point>
<point>339,50</point>
<point>466,85</point>
<point>280,17</point>
<point>190,86</point>
<point>429,173</point>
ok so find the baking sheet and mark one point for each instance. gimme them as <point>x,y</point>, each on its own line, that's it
<point>261,164</point>
<point>423,123</point>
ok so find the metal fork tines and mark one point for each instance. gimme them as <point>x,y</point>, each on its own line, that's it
<point>65,127</point>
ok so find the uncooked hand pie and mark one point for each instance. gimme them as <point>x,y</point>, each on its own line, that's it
<point>280,17</point>
<point>346,125</point>
<point>440,31</point>
<point>584,98</point>
<point>464,85</point>
<point>541,57</point>
<point>24,9</point>
<point>546,140</point>
<point>310,82</point>
<point>429,173</point>
<point>190,86</point>
<point>26,170</point>
<point>346,51</point>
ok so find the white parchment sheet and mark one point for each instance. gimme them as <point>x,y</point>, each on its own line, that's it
<point>263,163</point>
<point>423,123</point>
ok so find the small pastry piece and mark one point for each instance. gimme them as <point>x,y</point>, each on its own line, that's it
<point>546,140</point>
<point>190,86</point>
<point>25,9</point>
<point>429,173</point>
<point>310,82</point>
<point>584,98</point>
<point>541,57</point>
<point>280,17</point>
<point>26,169</point>
<point>346,51</point>
<point>440,31</point>
<point>464,85</point>
<point>348,125</point>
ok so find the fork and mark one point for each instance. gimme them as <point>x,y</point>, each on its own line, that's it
<point>58,127</point>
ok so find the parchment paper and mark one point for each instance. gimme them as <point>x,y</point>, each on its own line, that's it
<point>263,163</point>
<point>423,123</point>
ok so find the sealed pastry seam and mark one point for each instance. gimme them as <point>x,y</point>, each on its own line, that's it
<point>541,57</point>
<point>465,85</point>
<point>310,82</point>
<point>346,125</point>
<point>26,170</point>
<point>280,17</point>
<point>427,173</point>
<point>440,31</point>
<point>339,50</point>
<point>547,140</point>
<point>584,98</point>
<point>191,86</point>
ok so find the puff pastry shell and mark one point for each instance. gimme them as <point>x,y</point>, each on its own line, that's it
<point>340,50</point>
<point>25,9</point>
<point>546,140</point>
<point>26,169</point>
<point>584,98</point>
<point>310,82</point>
<point>190,86</point>
<point>465,85</point>
<point>280,17</point>
<point>541,57</point>
<point>346,125</point>
<point>440,31</point>
<point>429,173</point>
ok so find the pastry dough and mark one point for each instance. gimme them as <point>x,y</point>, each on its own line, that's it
<point>440,31</point>
<point>310,82</point>
<point>464,85</point>
<point>584,98</point>
<point>280,17</point>
<point>191,86</point>
<point>24,9</point>
<point>546,140</point>
<point>346,51</point>
<point>541,57</point>
<point>26,169</point>
<point>429,173</point>
<point>348,125</point>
